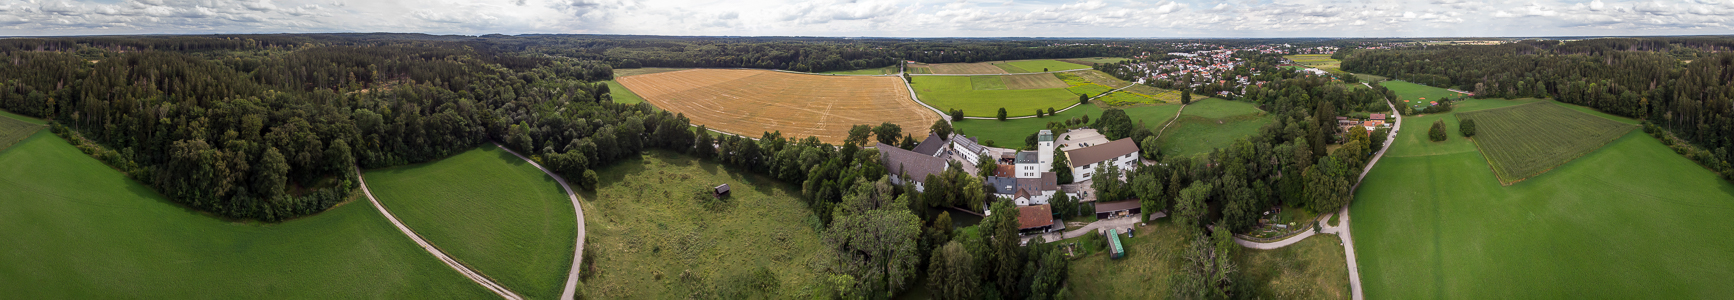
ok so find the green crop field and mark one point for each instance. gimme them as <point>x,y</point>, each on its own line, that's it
<point>1417,95</point>
<point>14,129</point>
<point>873,71</point>
<point>1631,220</point>
<point>621,94</point>
<point>1314,268</point>
<point>1082,85</point>
<point>1321,61</point>
<point>490,210</point>
<point>73,228</point>
<point>986,83</point>
<point>1031,66</point>
<point>1469,105</point>
<point>650,237</point>
<point>1012,69</point>
<point>1527,140</point>
<point>958,92</point>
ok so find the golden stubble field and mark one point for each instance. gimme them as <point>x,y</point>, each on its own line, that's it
<point>751,102</point>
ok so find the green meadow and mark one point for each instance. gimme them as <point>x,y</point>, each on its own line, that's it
<point>1209,124</point>
<point>76,229</point>
<point>1011,133</point>
<point>961,92</point>
<point>490,210</point>
<point>652,235</point>
<point>1043,65</point>
<point>1630,220</point>
<point>1314,268</point>
<point>1417,95</point>
<point>621,94</point>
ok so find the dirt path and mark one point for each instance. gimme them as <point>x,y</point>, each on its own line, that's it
<point>1171,121</point>
<point>578,251</point>
<point>477,277</point>
<point>1101,225</point>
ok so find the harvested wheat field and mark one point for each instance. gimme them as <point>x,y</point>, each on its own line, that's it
<point>751,102</point>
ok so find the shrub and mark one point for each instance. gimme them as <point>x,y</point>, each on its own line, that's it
<point>1002,114</point>
<point>1466,127</point>
<point>1437,133</point>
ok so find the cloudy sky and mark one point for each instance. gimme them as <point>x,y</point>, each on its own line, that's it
<point>888,18</point>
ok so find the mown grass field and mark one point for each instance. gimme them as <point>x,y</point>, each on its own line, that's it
<point>1416,95</point>
<point>651,238</point>
<point>959,92</point>
<point>1044,65</point>
<point>1315,268</point>
<point>14,128</point>
<point>1526,140</point>
<point>1218,108</point>
<point>490,210</point>
<point>621,94</point>
<point>1631,220</point>
<point>76,229</point>
<point>1094,60</point>
<point>986,83</point>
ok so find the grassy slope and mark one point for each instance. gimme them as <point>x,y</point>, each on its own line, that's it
<point>22,118</point>
<point>490,210</point>
<point>949,92</point>
<point>1210,124</point>
<point>74,228</point>
<point>644,224</point>
<point>623,95</point>
<point>1632,220</point>
<point>1311,269</point>
<point>1051,65</point>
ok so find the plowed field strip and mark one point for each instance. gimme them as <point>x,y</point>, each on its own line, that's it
<point>750,102</point>
<point>1526,140</point>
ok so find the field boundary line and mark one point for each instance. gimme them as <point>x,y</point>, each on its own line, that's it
<point>567,293</point>
<point>425,245</point>
<point>1001,74</point>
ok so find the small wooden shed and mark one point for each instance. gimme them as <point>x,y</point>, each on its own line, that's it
<point>721,191</point>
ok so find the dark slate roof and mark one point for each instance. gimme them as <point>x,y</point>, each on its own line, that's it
<point>1035,216</point>
<point>930,146</point>
<point>1100,152</point>
<point>1029,157</point>
<point>904,162</point>
<point>967,143</point>
<point>1002,185</point>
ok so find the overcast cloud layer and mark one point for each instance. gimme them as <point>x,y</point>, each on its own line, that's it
<point>899,18</point>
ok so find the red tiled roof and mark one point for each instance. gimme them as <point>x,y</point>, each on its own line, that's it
<point>1035,216</point>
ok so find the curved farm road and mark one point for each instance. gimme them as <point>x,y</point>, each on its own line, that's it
<point>477,277</point>
<point>1343,230</point>
<point>578,250</point>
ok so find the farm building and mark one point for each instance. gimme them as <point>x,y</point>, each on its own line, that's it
<point>1026,191</point>
<point>1084,162</point>
<point>1035,219</point>
<point>967,147</point>
<point>932,146</point>
<point>1118,209</point>
<point>1376,117</point>
<point>905,165</point>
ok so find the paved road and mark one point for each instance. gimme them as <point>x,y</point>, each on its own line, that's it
<point>578,250</point>
<point>477,277</point>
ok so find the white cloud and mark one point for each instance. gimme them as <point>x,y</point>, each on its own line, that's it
<point>1087,18</point>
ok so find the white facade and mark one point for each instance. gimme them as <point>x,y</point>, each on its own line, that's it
<point>1124,162</point>
<point>971,156</point>
<point>1045,151</point>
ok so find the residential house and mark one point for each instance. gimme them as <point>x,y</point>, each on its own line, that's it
<point>968,148</point>
<point>1026,191</point>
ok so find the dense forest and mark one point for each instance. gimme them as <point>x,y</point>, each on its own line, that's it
<point>1679,84</point>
